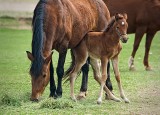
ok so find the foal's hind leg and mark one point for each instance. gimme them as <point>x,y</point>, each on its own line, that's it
<point>84,83</point>
<point>80,54</point>
<point>117,76</point>
<point>97,74</point>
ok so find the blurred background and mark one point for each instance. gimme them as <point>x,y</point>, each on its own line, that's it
<point>16,13</point>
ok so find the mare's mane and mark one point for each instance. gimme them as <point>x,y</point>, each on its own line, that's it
<point>37,38</point>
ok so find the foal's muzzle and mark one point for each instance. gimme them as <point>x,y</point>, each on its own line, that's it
<point>124,38</point>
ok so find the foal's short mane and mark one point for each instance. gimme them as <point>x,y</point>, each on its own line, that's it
<point>110,24</point>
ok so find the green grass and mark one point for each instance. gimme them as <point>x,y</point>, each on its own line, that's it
<point>15,84</point>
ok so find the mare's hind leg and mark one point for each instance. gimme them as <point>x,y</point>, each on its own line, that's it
<point>52,82</point>
<point>138,37</point>
<point>84,83</point>
<point>149,38</point>
<point>117,76</point>
<point>60,71</point>
<point>97,76</point>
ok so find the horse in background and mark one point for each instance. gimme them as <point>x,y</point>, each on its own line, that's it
<point>59,25</point>
<point>104,45</point>
<point>143,17</point>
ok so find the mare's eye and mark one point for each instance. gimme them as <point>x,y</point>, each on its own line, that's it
<point>44,75</point>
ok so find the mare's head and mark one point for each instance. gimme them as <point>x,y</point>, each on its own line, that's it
<point>40,74</point>
<point>121,26</point>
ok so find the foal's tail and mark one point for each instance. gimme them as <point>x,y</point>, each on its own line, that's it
<point>70,69</point>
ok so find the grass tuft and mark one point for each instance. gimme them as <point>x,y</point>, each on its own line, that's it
<point>56,104</point>
<point>10,101</point>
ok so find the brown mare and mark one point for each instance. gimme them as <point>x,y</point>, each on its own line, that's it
<point>143,17</point>
<point>59,25</point>
<point>104,46</point>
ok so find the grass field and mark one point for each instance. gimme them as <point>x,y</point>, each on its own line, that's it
<point>141,87</point>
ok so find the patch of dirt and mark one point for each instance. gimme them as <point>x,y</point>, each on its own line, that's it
<point>149,99</point>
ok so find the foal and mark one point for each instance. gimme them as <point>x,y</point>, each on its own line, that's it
<point>104,46</point>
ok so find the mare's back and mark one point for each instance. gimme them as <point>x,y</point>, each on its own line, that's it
<point>74,18</point>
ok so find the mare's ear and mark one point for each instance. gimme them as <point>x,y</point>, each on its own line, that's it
<point>30,56</point>
<point>48,59</point>
<point>125,16</point>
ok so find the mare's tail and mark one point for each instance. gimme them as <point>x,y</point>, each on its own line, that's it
<point>70,69</point>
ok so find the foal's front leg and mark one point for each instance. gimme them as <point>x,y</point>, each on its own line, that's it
<point>97,76</point>
<point>117,76</point>
<point>104,62</point>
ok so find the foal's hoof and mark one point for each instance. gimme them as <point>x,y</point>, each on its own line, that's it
<point>74,99</point>
<point>116,99</point>
<point>82,95</point>
<point>132,68</point>
<point>126,100</point>
<point>107,96</point>
<point>149,68</point>
<point>99,101</point>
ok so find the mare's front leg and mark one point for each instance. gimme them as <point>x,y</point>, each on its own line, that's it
<point>52,82</point>
<point>118,79</point>
<point>138,37</point>
<point>149,38</point>
<point>84,83</point>
<point>60,71</point>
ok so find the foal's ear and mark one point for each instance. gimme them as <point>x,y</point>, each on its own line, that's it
<point>48,59</point>
<point>117,16</point>
<point>125,16</point>
<point>30,56</point>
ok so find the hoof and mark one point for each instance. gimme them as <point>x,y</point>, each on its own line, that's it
<point>126,100</point>
<point>74,99</point>
<point>116,99</point>
<point>82,95</point>
<point>149,68</point>
<point>53,96</point>
<point>107,97</point>
<point>131,64</point>
<point>132,68</point>
<point>99,101</point>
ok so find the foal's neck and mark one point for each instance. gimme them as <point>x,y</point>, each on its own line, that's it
<point>112,35</point>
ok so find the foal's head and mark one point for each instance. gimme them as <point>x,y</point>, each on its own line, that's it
<point>119,25</point>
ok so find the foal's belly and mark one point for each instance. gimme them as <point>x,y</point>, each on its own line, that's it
<point>93,55</point>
